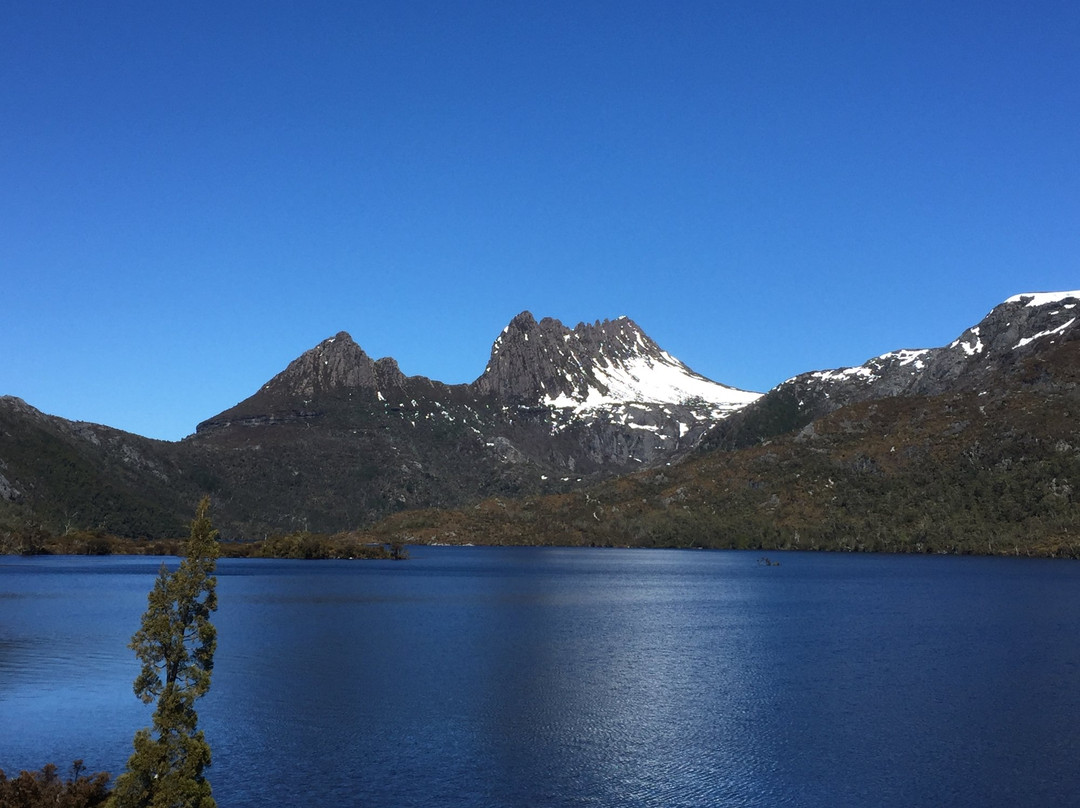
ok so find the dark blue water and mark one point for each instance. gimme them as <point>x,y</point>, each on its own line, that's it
<point>557,677</point>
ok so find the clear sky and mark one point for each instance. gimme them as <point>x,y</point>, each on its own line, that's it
<point>192,194</point>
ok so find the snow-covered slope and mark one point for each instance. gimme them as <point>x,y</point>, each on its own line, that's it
<point>652,379</point>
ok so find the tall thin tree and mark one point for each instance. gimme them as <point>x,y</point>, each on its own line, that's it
<point>175,643</point>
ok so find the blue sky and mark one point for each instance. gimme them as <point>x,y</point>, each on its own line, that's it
<point>193,194</point>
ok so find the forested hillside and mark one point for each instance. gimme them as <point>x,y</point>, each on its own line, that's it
<point>959,472</point>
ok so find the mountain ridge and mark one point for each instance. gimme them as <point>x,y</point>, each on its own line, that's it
<point>1010,332</point>
<point>562,368</point>
<point>338,439</point>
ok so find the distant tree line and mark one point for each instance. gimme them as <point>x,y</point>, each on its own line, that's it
<point>35,540</point>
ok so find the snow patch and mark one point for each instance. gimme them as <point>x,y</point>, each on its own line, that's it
<point>1051,332</point>
<point>970,348</point>
<point>1033,299</point>
<point>907,357</point>
<point>841,374</point>
<point>646,379</point>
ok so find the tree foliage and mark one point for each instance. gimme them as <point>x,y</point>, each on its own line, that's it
<point>175,644</point>
<point>46,789</point>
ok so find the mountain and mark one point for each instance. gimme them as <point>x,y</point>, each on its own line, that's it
<point>608,385</point>
<point>606,365</point>
<point>608,371</point>
<point>991,355</point>
<point>339,440</point>
<point>952,473</point>
<point>969,448</point>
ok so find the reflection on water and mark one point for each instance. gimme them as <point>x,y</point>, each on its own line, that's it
<point>553,677</point>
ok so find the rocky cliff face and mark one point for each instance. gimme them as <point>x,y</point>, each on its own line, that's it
<point>337,363</point>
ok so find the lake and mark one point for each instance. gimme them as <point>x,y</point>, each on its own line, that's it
<point>577,677</point>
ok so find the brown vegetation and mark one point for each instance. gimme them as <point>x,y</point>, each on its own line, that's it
<point>46,789</point>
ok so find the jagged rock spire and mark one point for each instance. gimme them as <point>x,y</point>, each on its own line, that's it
<point>608,361</point>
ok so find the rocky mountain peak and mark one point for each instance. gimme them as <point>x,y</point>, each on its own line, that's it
<point>388,375</point>
<point>523,322</point>
<point>334,364</point>
<point>616,339</point>
<point>1021,321</point>
<point>533,360</point>
<point>519,362</point>
<point>608,362</point>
